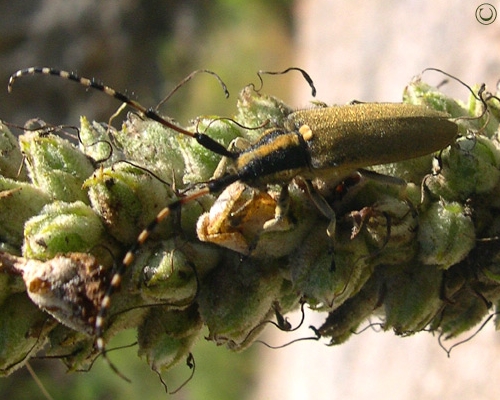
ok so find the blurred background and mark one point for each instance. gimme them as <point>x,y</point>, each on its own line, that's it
<point>355,49</point>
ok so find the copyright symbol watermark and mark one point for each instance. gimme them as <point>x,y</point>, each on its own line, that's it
<point>486,14</point>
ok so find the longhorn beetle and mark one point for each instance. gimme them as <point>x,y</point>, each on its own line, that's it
<point>324,142</point>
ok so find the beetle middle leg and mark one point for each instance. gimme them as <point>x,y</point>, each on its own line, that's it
<point>323,206</point>
<point>281,220</point>
<point>325,209</point>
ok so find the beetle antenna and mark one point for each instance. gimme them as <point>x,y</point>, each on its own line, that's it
<point>306,76</point>
<point>201,138</point>
<point>188,78</point>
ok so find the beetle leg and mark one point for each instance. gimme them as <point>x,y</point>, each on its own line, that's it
<point>237,145</point>
<point>323,206</point>
<point>280,222</point>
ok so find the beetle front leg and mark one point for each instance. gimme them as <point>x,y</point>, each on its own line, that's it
<point>280,222</point>
<point>236,146</point>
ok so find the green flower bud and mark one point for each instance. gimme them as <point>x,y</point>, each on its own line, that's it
<point>23,331</point>
<point>167,336</point>
<point>390,227</point>
<point>412,297</point>
<point>489,259</point>
<point>76,349</point>
<point>466,310</point>
<point>494,106</point>
<point>97,143</point>
<point>127,198</point>
<point>421,93</point>
<point>256,109</point>
<point>328,273</point>
<point>486,123</point>
<point>11,158</point>
<point>56,166</point>
<point>151,145</point>
<point>167,271</point>
<point>62,228</point>
<point>343,321</point>
<point>446,234</point>
<point>19,201</point>
<point>235,298</point>
<point>470,167</point>
<point>418,92</point>
<point>201,162</point>
<point>289,299</point>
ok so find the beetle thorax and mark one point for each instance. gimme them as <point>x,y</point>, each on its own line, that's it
<point>277,157</point>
